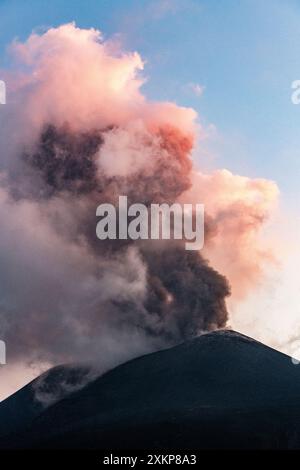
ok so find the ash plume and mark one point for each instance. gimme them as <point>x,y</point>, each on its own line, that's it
<point>183,294</point>
<point>79,132</point>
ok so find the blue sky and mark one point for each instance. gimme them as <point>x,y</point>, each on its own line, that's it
<point>244,53</point>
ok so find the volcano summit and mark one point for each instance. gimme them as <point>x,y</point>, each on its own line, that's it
<point>220,390</point>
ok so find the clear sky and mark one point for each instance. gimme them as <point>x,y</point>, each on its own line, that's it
<point>233,61</point>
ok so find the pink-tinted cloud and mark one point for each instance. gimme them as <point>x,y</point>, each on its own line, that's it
<point>77,132</point>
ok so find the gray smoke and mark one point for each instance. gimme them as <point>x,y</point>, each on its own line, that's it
<point>109,296</point>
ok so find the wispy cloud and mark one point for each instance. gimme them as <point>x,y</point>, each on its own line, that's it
<point>195,88</point>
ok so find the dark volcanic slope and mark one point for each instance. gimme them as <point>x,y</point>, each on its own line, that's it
<point>219,390</point>
<point>19,410</point>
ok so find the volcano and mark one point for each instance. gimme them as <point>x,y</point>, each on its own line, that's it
<point>221,390</point>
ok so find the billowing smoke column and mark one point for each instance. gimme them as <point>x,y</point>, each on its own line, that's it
<point>183,295</point>
<point>77,132</point>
